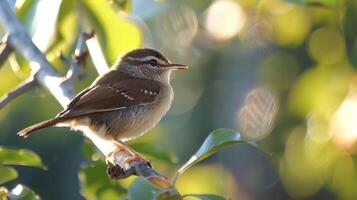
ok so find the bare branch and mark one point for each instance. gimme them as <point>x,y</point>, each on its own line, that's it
<point>97,56</point>
<point>5,51</point>
<point>62,90</point>
<point>79,58</point>
<point>20,89</point>
<point>41,68</point>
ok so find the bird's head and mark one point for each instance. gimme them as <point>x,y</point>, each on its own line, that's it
<point>147,63</point>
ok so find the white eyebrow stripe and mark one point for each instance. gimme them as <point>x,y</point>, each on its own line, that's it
<point>147,58</point>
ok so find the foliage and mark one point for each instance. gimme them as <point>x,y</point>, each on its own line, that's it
<point>17,157</point>
<point>327,3</point>
<point>95,182</point>
<point>20,157</point>
<point>206,196</point>
<point>213,143</point>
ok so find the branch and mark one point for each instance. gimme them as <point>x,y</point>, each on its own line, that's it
<point>62,90</point>
<point>5,51</point>
<point>41,68</point>
<point>96,54</point>
<point>78,60</point>
<point>20,89</point>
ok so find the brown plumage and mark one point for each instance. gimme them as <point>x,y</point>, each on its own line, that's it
<point>103,97</point>
<point>123,103</point>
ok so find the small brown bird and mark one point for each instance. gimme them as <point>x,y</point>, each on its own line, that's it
<point>122,104</point>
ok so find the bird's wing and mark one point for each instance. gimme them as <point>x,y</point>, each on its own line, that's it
<point>112,96</point>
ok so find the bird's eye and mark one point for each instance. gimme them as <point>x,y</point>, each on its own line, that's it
<point>152,62</point>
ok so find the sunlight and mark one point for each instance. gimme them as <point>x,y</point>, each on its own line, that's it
<point>17,190</point>
<point>256,118</point>
<point>224,19</point>
<point>99,61</point>
<point>177,26</point>
<point>343,123</point>
<point>43,28</point>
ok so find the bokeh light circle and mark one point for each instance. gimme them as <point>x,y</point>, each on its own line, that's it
<point>224,19</point>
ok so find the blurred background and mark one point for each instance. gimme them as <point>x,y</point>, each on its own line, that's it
<point>281,72</point>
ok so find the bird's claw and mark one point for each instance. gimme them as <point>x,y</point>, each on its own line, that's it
<point>116,172</point>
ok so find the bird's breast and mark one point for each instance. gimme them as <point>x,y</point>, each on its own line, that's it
<point>137,120</point>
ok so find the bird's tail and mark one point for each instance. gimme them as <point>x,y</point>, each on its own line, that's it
<point>27,131</point>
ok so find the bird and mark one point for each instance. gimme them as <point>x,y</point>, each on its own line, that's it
<point>122,104</point>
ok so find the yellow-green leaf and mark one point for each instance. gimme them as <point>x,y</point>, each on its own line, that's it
<point>323,3</point>
<point>115,33</point>
<point>155,150</point>
<point>3,193</point>
<point>7,174</point>
<point>214,142</point>
<point>20,157</point>
<point>205,196</point>
<point>95,183</point>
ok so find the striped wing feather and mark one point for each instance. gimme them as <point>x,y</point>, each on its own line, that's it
<point>112,96</point>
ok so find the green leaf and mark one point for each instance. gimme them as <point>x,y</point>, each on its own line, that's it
<point>205,196</point>
<point>95,183</point>
<point>142,189</point>
<point>21,192</point>
<point>123,5</point>
<point>323,3</point>
<point>67,31</point>
<point>7,174</point>
<point>155,150</point>
<point>115,33</point>
<point>20,157</point>
<point>23,9</point>
<point>3,193</point>
<point>214,142</point>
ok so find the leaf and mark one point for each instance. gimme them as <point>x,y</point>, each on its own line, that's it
<point>95,183</point>
<point>155,150</point>
<point>21,192</point>
<point>23,9</point>
<point>323,3</point>
<point>214,142</point>
<point>115,33</point>
<point>67,32</point>
<point>125,5</point>
<point>3,193</point>
<point>205,196</point>
<point>20,157</point>
<point>7,174</point>
<point>142,189</point>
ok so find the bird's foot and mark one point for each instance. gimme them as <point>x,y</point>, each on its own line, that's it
<point>125,155</point>
<point>137,159</point>
<point>117,172</point>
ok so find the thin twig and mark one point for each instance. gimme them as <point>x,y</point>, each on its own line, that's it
<point>20,89</point>
<point>5,51</point>
<point>79,58</point>
<point>97,55</point>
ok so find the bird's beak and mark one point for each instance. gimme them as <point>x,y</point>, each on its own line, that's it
<point>173,66</point>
